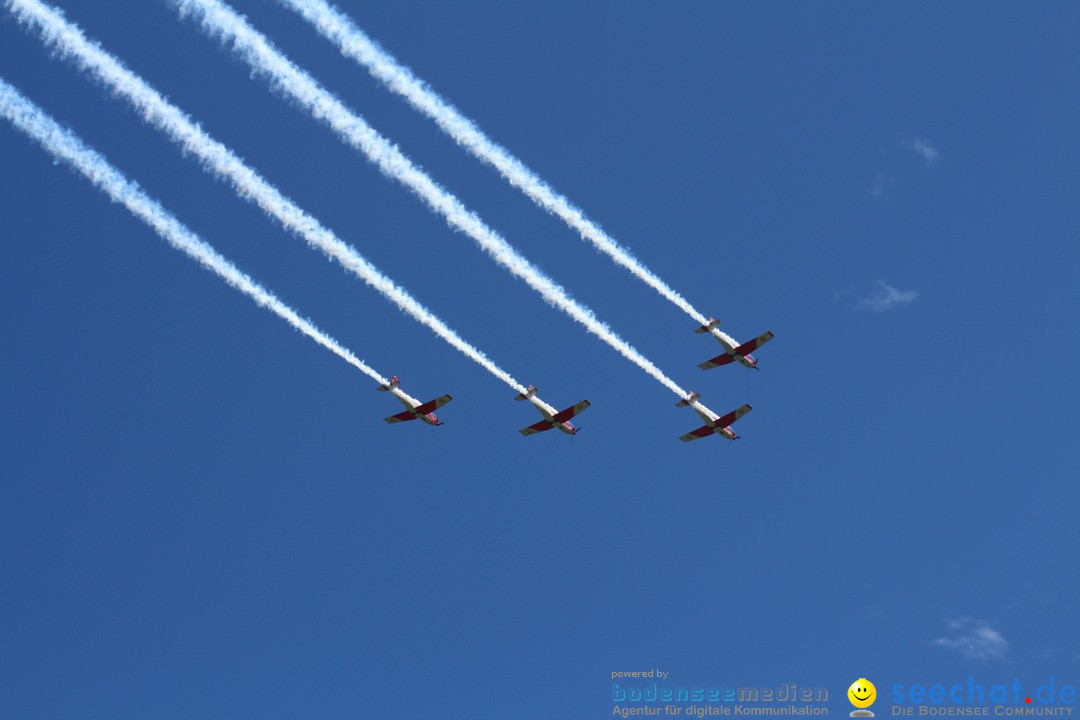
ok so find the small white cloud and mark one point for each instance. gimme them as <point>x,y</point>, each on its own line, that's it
<point>885,297</point>
<point>880,184</point>
<point>974,639</point>
<point>926,149</point>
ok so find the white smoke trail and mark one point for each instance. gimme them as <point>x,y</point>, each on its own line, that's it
<point>221,21</point>
<point>339,29</point>
<point>729,342</point>
<point>65,145</point>
<point>541,404</point>
<point>69,41</point>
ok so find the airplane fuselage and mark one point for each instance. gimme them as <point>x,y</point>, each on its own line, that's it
<point>566,427</point>
<point>748,361</point>
<point>430,418</point>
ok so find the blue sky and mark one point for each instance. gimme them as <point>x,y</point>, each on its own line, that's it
<point>203,513</point>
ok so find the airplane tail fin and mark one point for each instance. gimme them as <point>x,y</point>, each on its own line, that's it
<point>527,394</point>
<point>686,401</point>
<point>713,323</point>
<point>391,385</point>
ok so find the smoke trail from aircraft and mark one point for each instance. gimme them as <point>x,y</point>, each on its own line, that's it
<point>219,20</point>
<point>339,29</point>
<point>69,42</point>
<point>64,145</point>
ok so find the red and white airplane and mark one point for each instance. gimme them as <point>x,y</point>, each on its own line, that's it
<point>713,424</point>
<point>551,419</point>
<point>732,349</point>
<point>414,408</point>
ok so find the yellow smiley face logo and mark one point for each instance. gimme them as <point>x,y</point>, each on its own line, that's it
<point>862,693</point>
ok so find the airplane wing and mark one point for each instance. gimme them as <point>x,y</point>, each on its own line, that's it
<point>432,405</point>
<point>703,431</point>
<point>752,345</point>
<point>713,323</point>
<point>400,417</point>
<point>570,412</point>
<point>536,428</point>
<point>717,361</point>
<point>733,416</point>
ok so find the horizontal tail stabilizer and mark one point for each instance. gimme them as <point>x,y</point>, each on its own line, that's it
<point>527,394</point>
<point>713,323</point>
<point>686,401</point>
<point>390,385</point>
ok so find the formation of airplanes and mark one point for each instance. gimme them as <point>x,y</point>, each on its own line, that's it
<point>714,424</point>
